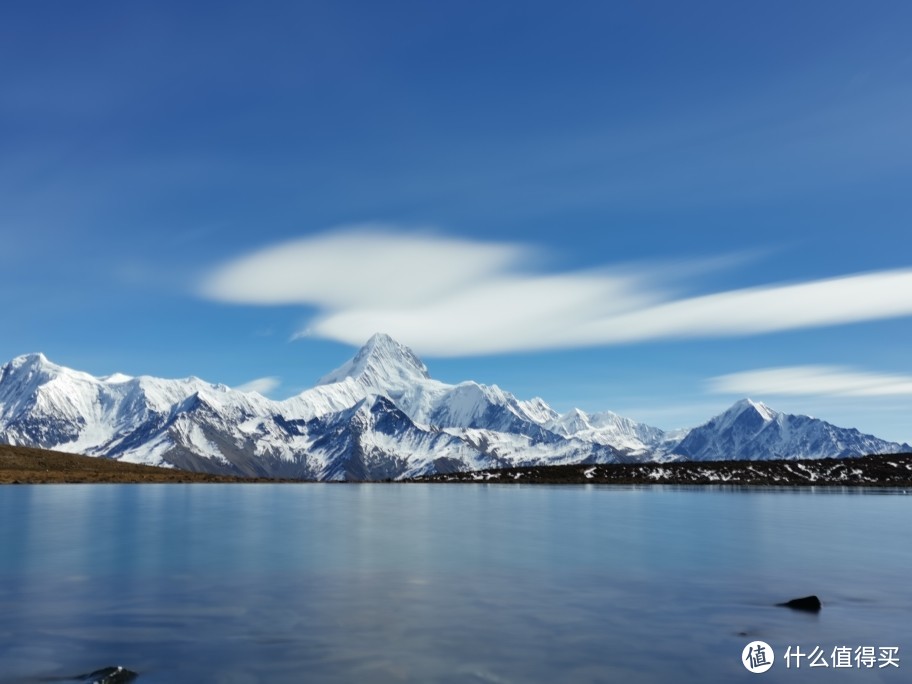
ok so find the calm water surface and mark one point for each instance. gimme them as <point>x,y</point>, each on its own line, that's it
<point>238,584</point>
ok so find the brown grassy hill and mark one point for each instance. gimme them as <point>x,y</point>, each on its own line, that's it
<point>25,465</point>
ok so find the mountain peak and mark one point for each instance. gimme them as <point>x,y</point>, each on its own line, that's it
<point>753,412</point>
<point>383,341</point>
<point>30,364</point>
<point>381,362</point>
<point>33,359</point>
<point>748,404</point>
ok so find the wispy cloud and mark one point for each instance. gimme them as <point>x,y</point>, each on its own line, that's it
<point>260,385</point>
<point>361,266</point>
<point>811,381</point>
<point>451,297</point>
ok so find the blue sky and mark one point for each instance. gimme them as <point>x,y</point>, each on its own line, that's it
<point>655,208</point>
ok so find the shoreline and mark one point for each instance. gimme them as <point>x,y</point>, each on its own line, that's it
<point>27,465</point>
<point>879,470</point>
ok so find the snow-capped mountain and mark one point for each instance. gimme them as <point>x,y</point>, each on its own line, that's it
<point>384,366</point>
<point>378,416</point>
<point>751,430</point>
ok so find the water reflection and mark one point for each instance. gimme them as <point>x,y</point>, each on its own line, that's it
<point>392,583</point>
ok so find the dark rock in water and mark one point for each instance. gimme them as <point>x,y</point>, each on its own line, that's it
<point>810,604</point>
<point>108,675</point>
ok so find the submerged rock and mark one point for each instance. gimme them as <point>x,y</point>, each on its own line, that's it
<point>107,675</point>
<point>810,604</point>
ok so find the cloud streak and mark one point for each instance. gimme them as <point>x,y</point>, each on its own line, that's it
<point>361,266</point>
<point>811,381</point>
<point>260,385</point>
<point>456,297</point>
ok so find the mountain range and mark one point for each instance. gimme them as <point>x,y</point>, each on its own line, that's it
<point>378,416</point>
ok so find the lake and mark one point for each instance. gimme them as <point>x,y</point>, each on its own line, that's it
<point>378,583</point>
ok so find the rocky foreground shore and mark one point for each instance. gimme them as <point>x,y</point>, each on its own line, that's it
<point>892,470</point>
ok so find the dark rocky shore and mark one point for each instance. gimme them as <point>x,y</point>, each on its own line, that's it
<point>892,470</point>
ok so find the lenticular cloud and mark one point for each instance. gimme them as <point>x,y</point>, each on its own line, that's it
<point>812,380</point>
<point>452,296</point>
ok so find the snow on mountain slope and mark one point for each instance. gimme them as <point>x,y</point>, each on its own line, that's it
<point>751,430</point>
<point>378,416</point>
<point>511,450</point>
<point>201,426</point>
<point>375,440</point>
<point>43,404</point>
<point>381,362</point>
<point>610,429</point>
<point>384,366</point>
